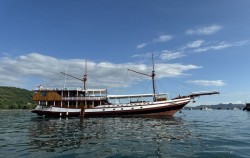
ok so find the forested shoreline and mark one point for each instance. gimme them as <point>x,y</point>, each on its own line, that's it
<point>15,98</point>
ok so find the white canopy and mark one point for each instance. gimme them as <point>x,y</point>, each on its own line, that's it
<point>133,96</point>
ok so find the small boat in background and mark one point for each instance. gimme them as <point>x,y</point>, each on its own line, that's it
<point>205,108</point>
<point>247,107</point>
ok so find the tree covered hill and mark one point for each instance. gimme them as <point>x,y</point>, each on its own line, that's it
<point>15,98</point>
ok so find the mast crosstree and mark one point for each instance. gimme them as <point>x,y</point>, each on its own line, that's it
<point>84,79</point>
<point>152,75</point>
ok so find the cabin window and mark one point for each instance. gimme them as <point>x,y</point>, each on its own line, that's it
<point>43,94</point>
<point>43,103</point>
<point>72,94</point>
<point>65,103</point>
<point>50,103</point>
<point>72,103</point>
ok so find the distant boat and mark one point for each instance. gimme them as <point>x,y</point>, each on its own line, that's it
<point>235,108</point>
<point>96,103</point>
<point>205,108</point>
<point>247,107</point>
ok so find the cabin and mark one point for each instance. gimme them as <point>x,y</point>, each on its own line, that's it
<point>71,98</point>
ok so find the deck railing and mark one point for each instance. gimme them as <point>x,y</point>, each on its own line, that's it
<point>83,98</point>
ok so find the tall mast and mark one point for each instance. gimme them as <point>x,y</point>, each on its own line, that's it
<point>152,76</point>
<point>65,78</point>
<point>85,76</point>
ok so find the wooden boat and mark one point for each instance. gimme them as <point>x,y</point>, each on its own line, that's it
<point>96,103</point>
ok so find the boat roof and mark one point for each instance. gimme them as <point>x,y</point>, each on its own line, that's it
<point>71,89</point>
<point>133,96</point>
<point>96,90</point>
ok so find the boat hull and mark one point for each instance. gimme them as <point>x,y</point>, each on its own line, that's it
<point>164,108</point>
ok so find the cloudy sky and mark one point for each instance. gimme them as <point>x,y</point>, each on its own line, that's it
<point>197,45</point>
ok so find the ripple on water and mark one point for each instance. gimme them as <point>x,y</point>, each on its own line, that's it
<point>198,134</point>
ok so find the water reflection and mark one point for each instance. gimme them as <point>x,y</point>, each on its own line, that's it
<point>63,134</point>
<point>106,136</point>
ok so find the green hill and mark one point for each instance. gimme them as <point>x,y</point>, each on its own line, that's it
<point>15,98</point>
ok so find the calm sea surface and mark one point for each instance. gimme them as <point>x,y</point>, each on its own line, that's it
<point>213,133</point>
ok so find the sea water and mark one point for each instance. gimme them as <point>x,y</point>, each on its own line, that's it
<point>191,133</point>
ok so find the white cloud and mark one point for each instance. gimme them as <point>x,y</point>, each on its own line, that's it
<point>168,55</point>
<point>5,54</point>
<point>195,44</point>
<point>240,43</point>
<point>163,38</point>
<point>221,45</point>
<point>145,55</point>
<point>173,70</point>
<point>31,70</point>
<point>141,45</point>
<point>206,30</point>
<point>208,82</point>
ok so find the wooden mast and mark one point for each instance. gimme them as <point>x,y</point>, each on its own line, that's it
<point>85,76</point>
<point>152,76</point>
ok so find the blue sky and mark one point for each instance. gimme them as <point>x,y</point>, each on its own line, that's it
<point>197,45</point>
